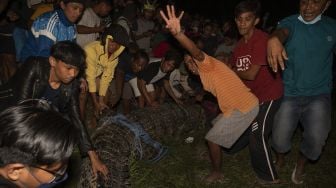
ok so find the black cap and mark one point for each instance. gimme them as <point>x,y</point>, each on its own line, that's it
<point>118,33</point>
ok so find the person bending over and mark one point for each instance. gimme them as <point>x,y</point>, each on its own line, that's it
<point>53,79</point>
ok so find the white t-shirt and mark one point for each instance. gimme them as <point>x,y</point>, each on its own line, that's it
<point>125,24</point>
<point>144,26</point>
<point>89,19</point>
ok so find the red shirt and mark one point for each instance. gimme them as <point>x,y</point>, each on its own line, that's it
<point>267,84</point>
<point>160,50</point>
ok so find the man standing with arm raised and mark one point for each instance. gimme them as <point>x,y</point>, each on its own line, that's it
<point>238,105</point>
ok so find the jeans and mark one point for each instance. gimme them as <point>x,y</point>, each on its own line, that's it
<point>314,114</point>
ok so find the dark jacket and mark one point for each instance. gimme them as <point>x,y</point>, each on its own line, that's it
<point>31,81</point>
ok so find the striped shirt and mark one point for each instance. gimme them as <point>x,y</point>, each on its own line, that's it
<point>223,83</point>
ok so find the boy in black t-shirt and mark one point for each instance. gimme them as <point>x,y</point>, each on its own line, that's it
<point>153,73</point>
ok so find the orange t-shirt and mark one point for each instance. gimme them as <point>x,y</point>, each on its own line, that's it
<point>224,84</point>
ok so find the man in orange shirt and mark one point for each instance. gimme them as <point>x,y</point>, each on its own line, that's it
<point>238,105</point>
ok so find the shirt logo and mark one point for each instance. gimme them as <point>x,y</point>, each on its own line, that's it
<point>243,63</point>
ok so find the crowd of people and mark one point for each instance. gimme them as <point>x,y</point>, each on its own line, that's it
<point>256,84</point>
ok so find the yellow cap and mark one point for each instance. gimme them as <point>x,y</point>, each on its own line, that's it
<point>150,6</point>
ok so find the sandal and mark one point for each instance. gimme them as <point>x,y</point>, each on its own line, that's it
<point>297,180</point>
<point>270,183</point>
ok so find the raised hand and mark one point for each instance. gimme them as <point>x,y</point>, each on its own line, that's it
<point>172,22</point>
<point>174,26</point>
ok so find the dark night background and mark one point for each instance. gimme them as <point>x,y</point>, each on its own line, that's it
<point>223,9</point>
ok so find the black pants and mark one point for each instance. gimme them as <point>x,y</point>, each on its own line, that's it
<point>257,138</point>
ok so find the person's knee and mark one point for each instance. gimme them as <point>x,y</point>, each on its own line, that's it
<point>281,138</point>
<point>282,133</point>
<point>312,153</point>
<point>312,146</point>
<point>280,143</point>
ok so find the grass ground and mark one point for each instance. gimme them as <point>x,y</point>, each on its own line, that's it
<point>186,165</point>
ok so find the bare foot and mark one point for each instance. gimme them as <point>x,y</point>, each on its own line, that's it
<point>214,177</point>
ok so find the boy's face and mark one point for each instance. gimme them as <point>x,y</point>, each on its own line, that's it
<point>246,23</point>
<point>191,65</point>
<point>12,16</point>
<point>167,66</point>
<point>226,26</point>
<point>104,9</point>
<point>28,176</point>
<point>65,73</point>
<point>112,46</point>
<point>72,10</point>
<point>207,30</point>
<point>148,14</point>
<point>310,9</point>
<point>138,65</point>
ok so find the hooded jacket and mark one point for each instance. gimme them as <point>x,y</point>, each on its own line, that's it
<point>99,64</point>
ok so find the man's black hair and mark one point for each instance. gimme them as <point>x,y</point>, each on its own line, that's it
<point>108,2</point>
<point>70,53</point>
<point>119,34</point>
<point>32,133</point>
<point>175,56</point>
<point>248,6</point>
<point>74,1</point>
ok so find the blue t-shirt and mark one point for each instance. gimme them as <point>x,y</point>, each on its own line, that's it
<point>52,96</point>
<point>125,65</point>
<point>309,48</point>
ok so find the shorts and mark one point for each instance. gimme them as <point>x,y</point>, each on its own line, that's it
<point>227,130</point>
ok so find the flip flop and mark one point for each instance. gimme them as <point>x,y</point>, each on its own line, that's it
<point>268,183</point>
<point>294,178</point>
